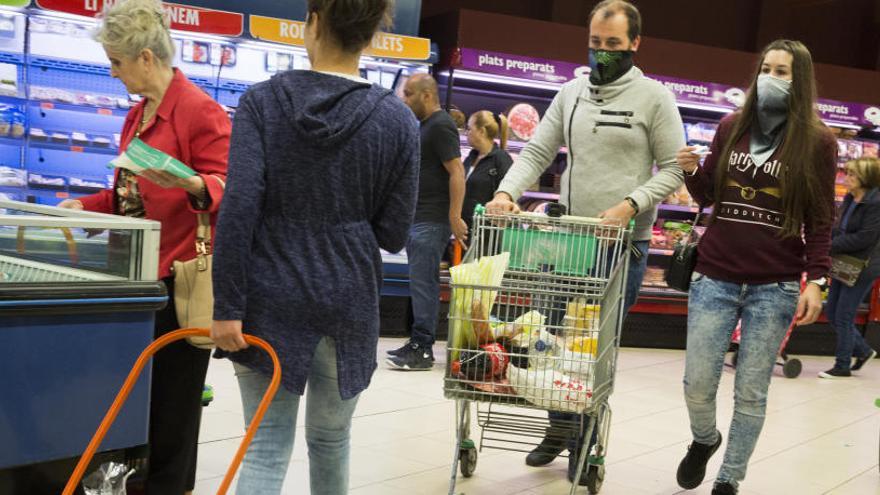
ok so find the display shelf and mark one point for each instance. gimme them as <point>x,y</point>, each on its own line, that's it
<point>541,195</point>
<point>683,208</point>
<point>10,141</point>
<point>73,148</point>
<point>51,105</point>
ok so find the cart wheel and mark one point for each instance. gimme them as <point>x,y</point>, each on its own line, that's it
<point>595,477</point>
<point>467,461</point>
<point>735,358</point>
<point>792,368</point>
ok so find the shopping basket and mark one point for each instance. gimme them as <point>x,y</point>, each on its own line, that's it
<point>133,376</point>
<point>535,317</point>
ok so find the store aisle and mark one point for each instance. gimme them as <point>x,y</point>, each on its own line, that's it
<point>821,436</point>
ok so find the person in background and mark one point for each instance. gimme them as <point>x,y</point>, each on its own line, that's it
<point>179,119</point>
<point>487,163</point>
<point>322,174</point>
<point>770,181</point>
<point>617,125</point>
<point>438,215</point>
<point>856,234</point>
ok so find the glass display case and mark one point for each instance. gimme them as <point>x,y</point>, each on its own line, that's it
<point>42,244</point>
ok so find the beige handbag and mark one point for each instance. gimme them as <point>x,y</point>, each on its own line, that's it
<point>193,292</point>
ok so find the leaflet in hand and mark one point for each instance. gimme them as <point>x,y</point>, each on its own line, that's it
<point>140,156</point>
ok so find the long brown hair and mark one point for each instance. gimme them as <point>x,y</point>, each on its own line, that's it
<point>499,129</point>
<point>800,180</point>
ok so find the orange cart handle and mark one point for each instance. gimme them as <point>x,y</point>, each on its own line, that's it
<point>133,376</point>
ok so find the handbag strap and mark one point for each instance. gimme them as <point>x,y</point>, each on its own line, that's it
<point>203,234</point>
<point>694,236</point>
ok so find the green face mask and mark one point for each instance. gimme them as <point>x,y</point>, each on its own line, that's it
<point>608,66</point>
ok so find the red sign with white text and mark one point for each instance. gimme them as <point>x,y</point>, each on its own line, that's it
<point>183,17</point>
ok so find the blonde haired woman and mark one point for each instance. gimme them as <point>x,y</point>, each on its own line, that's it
<point>179,119</point>
<point>488,161</point>
<point>856,234</point>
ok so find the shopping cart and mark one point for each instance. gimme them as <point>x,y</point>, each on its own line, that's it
<point>129,383</point>
<point>791,367</point>
<point>535,318</point>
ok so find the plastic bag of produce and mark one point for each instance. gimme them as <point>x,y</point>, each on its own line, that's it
<point>109,479</point>
<point>471,308</point>
<point>550,389</point>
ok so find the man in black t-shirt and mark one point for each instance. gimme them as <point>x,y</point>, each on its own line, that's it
<point>438,216</point>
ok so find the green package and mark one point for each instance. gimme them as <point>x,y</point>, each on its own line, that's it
<point>140,156</point>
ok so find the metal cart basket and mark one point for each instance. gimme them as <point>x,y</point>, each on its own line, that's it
<point>535,319</point>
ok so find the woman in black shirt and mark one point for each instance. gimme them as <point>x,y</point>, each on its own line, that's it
<point>487,162</point>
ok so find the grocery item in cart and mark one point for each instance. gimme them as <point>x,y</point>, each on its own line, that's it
<point>524,120</point>
<point>109,479</point>
<point>531,321</point>
<point>577,356</point>
<point>489,362</point>
<point>550,389</point>
<point>468,295</point>
<point>535,349</point>
<point>580,314</point>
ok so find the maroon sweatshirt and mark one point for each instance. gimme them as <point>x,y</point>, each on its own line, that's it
<point>744,245</point>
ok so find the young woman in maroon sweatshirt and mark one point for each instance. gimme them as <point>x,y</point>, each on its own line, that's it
<point>770,182</point>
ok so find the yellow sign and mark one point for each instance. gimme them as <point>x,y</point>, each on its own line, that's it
<point>384,45</point>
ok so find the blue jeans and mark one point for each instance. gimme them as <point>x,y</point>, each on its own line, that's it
<point>714,307</point>
<point>841,307</point>
<point>634,276</point>
<point>328,425</point>
<point>424,250</point>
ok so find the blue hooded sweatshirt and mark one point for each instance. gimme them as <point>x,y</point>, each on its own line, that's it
<point>323,171</point>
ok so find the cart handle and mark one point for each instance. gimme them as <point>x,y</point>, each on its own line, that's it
<point>133,376</point>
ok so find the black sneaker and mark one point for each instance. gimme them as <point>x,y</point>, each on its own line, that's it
<point>724,489</point>
<point>546,452</point>
<point>402,349</point>
<point>863,361</point>
<point>835,373</point>
<point>692,469</point>
<point>414,358</point>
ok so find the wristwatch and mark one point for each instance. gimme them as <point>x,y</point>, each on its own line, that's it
<point>632,202</point>
<point>819,281</point>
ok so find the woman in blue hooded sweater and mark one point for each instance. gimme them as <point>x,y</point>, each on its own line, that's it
<point>322,173</point>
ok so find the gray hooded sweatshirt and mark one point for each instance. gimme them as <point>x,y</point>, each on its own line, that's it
<point>615,134</point>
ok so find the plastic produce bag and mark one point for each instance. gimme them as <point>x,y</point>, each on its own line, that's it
<point>109,479</point>
<point>471,305</point>
<point>550,389</point>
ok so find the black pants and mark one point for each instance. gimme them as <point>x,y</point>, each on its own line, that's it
<point>175,408</point>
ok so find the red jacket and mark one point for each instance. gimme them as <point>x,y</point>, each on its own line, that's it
<point>195,129</point>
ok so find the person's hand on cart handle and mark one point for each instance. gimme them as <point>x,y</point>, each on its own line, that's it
<point>71,204</point>
<point>502,203</point>
<point>687,160</point>
<point>618,215</point>
<point>809,305</point>
<point>228,336</point>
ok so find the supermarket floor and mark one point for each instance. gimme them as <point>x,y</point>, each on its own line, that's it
<point>821,437</point>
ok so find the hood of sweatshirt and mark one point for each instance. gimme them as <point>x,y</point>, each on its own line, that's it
<point>323,108</point>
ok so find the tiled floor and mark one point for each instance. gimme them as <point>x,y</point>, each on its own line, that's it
<point>821,437</point>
